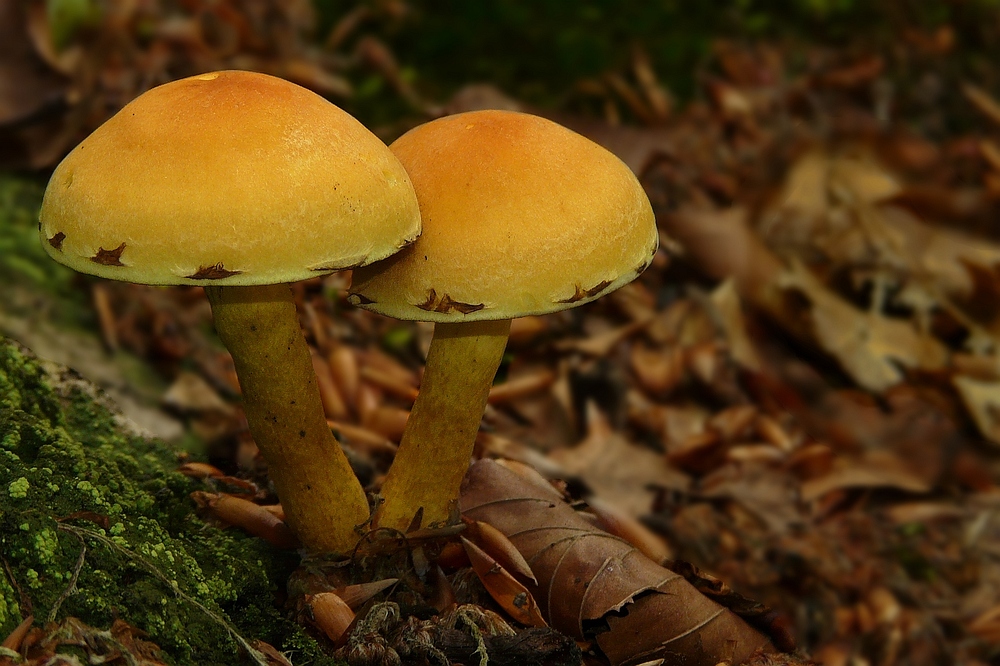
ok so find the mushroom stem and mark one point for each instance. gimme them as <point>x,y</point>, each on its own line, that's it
<point>322,498</point>
<point>440,434</point>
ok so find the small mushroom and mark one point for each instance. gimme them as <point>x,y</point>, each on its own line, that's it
<point>521,217</point>
<point>242,182</point>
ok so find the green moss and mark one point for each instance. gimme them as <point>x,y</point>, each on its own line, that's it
<point>18,489</point>
<point>73,477</point>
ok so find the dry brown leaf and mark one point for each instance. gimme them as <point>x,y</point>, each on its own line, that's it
<point>356,596</point>
<point>658,371</point>
<point>511,594</point>
<point>343,362</point>
<point>982,101</point>
<point>982,399</point>
<point>26,84</point>
<point>502,447</point>
<point>986,626</point>
<point>387,421</point>
<point>722,245</point>
<point>330,614</point>
<point>729,310</point>
<point>614,521</point>
<point>391,383</point>
<point>28,88</point>
<point>122,643</point>
<point>601,344</point>
<point>615,469</point>
<point>246,515</point>
<point>870,347</point>
<point>271,653</point>
<point>588,577</point>
<point>496,544</point>
<point>768,494</point>
<point>877,469</point>
<point>14,638</point>
<point>333,402</point>
<point>938,254</point>
<point>923,512</point>
<point>521,385</point>
<point>190,393</point>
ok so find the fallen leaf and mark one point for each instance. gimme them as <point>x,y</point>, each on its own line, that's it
<point>512,595</point>
<point>615,469</point>
<point>982,399</point>
<point>593,585</point>
<point>878,469</point>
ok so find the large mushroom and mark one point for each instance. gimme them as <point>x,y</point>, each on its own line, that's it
<point>521,216</point>
<point>243,182</point>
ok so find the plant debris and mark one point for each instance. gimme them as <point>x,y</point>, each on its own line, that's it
<point>794,408</point>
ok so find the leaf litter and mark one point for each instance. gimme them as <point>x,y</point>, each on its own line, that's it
<point>799,395</point>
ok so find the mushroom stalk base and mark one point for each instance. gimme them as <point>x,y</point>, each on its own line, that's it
<point>440,434</point>
<point>322,499</point>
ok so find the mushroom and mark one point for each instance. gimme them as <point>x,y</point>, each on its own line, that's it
<point>242,183</point>
<point>521,216</point>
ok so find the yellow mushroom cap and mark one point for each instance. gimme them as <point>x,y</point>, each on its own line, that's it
<point>520,216</point>
<point>229,178</point>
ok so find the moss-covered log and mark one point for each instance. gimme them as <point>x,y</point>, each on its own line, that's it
<point>195,589</point>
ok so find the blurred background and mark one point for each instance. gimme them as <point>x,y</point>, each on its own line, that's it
<point>801,395</point>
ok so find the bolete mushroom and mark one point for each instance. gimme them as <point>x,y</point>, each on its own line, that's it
<point>242,183</point>
<point>521,216</point>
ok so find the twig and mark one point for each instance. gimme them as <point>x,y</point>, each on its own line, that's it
<point>255,654</point>
<point>51,617</point>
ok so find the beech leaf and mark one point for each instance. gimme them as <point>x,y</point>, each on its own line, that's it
<point>595,586</point>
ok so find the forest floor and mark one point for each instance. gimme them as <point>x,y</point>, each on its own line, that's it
<point>800,396</point>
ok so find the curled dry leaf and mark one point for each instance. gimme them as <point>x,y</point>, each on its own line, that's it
<point>531,475</point>
<point>523,385</point>
<point>392,383</point>
<point>496,544</point>
<point>878,469</point>
<point>600,345</point>
<point>502,447</point>
<point>512,595</point>
<point>986,626</point>
<point>270,653</point>
<point>334,405</point>
<point>363,439</point>
<point>246,515</point>
<point>330,614</point>
<point>357,595</point>
<point>121,643</point>
<point>343,363</point>
<point>390,422</point>
<point>982,101</point>
<point>526,330</point>
<point>200,470</point>
<point>594,586</point>
<point>14,638</point>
